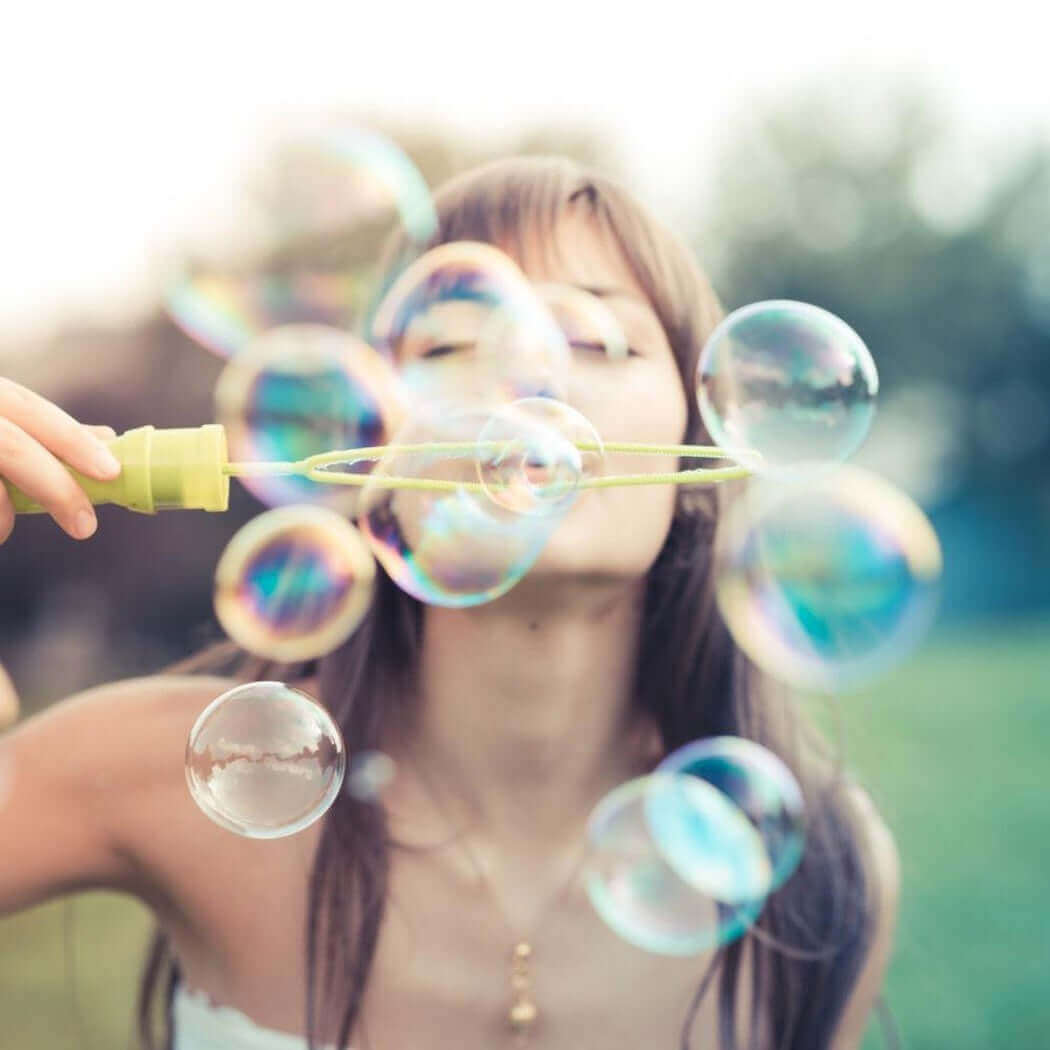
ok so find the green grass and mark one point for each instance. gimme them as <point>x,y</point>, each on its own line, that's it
<point>954,748</point>
<point>68,973</point>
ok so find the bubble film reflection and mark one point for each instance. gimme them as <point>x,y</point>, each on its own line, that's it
<point>528,459</point>
<point>300,390</point>
<point>369,774</point>
<point>638,894</point>
<point>452,547</point>
<point>788,380</point>
<point>294,583</point>
<point>828,584</point>
<point>331,199</point>
<point>469,332</point>
<point>264,760</point>
<point>758,786</point>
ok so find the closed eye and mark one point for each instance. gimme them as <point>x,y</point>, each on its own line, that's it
<point>443,349</point>
<point>599,348</point>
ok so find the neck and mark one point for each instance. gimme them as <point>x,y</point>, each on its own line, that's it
<point>527,714</point>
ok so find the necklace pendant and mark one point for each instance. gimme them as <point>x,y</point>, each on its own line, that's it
<point>523,1012</point>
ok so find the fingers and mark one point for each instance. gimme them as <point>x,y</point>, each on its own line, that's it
<point>7,515</point>
<point>36,439</point>
<point>40,476</point>
<point>103,433</point>
<point>57,431</point>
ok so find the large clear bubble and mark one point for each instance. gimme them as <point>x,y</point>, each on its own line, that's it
<point>758,786</point>
<point>294,583</point>
<point>264,760</point>
<point>329,201</point>
<point>641,897</point>
<point>469,332</point>
<point>299,390</point>
<point>827,584</point>
<point>452,546</point>
<point>789,381</point>
<point>529,455</point>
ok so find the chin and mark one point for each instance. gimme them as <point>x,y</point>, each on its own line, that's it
<point>591,545</point>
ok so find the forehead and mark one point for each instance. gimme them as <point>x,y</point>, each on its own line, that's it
<point>580,250</point>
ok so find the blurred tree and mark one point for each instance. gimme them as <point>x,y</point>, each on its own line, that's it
<point>869,202</point>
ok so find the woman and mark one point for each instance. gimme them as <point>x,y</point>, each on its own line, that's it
<point>404,922</point>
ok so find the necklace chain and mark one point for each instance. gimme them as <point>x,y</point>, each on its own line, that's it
<point>523,1014</point>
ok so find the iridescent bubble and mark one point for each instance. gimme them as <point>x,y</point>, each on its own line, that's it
<point>299,390</point>
<point>586,320</point>
<point>331,200</point>
<point>758,786</point>
<point>450,546</point>
<point>469,331</point>
<point>635,890</point>
<point>294,583</point>
<point>528,455</point>
<point>225,312</point>
<point>828,584</point>
<point>369,774</point>
<point>264,760</point>
<point>788,380</point>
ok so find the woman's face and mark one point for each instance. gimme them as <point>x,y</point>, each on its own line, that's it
<point>611,532</point>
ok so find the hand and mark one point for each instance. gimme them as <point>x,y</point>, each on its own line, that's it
<point>35,435</point>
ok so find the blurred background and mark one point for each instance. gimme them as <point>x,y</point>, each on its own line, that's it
<point>896,173</point>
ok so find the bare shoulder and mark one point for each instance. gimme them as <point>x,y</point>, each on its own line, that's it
<point>125,736</point>
<point>882,863</point>
<point>84,777</point>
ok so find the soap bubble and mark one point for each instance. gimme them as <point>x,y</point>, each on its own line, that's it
<point>369,774</point>
<point>639,895</point>
<point>828,584</point>
<point>789,381</point>
<point>330,200</point>
<point>294,583</point>
<point>264,760</point>
<point>299,390</point>
<point>224,312</point>
<point>528,460</point>
<point>755,784</point>
<point>452,547</point>
<point>469,332</point>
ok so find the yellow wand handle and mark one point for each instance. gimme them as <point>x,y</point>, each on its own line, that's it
<point>180,468</point>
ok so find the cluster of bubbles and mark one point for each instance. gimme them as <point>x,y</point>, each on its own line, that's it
<point>682,860</point>
<point>441,378</point>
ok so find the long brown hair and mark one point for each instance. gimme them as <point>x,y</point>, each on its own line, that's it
<point>813,934</point>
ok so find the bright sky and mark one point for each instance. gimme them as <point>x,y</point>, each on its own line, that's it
<point>123,121</point>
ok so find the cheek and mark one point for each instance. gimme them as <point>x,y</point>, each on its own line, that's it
<point>621,530</point>
<point>644,404</point>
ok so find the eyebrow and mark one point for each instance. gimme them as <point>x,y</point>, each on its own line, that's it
<point>609,293</point>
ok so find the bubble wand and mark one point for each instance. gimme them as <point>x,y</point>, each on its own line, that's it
<point>187,469</point>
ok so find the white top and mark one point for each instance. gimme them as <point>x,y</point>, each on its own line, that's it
<point>200,1025</point>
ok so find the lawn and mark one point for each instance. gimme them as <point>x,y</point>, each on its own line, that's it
<point>953,748</point>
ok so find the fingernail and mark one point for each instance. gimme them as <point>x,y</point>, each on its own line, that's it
<point>106,462</point>
<point>85,524</point>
